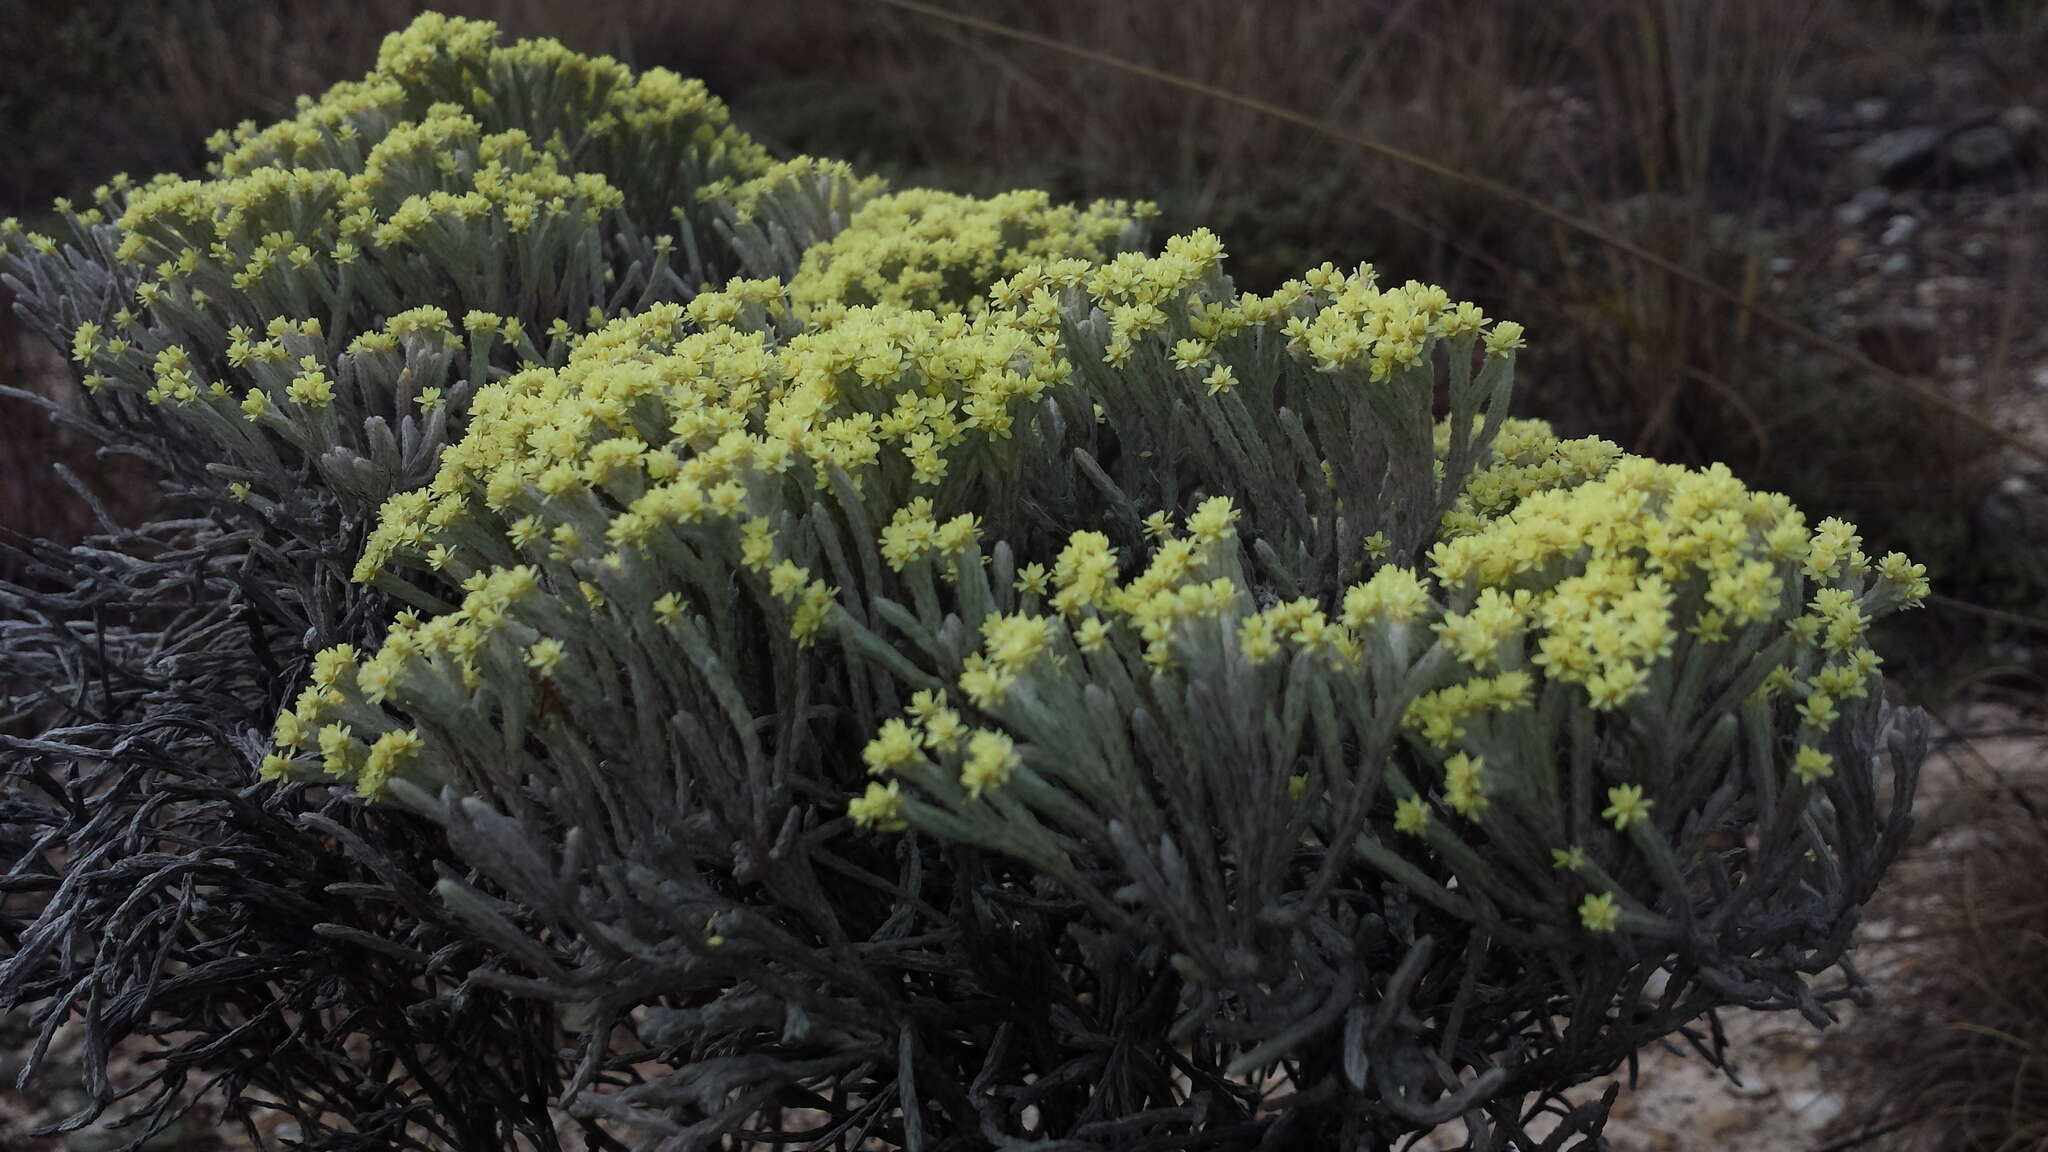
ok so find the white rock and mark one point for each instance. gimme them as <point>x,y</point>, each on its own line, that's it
<point>1814,1110</point>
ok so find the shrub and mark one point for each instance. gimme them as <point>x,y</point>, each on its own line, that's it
<point>884,665</point>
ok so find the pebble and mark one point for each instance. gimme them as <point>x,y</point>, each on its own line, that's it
<point>1899,229</point>
<point>1863,205</point>
<point>1981,151</point>
<point>2022,122</point>
<point>1814,1110</point>
<point>1897,156</point>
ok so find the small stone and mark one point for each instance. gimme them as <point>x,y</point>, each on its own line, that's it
<point>1872,109</point>
<point>1863,205</point>
<point>1896,264</point>
<point>1981,151</point>
<point>1896,157</point>
<point>2022,122</point>
<point>1814,1110</point>
<point>1898,230</point>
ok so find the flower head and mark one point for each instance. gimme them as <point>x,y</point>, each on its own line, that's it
<point>1625,806</point>
<point>1598,912</point>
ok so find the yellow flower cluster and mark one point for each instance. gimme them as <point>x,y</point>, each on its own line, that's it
<point>684,436</point>
<point>690,465</point>
<point>845,188</point>
<point>1383,330</point>
<point>681,427</point>
<point>1527,458</point>
<point>928,249</point>
<point>457,164</point>
<point>591,101</point>
<point>1605,558</point>
<point>1563,562</point>
<point>272,233</point>
<point>933,739</point>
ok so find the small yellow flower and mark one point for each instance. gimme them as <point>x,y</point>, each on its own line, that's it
<point>669,609</point>
<point>1091,635</point>
<point>893,747</point>
<point>1625,805</point>
<point>1598,912</point>
<point>1504,337</point>
<point>337,752</point>
<point>943,729</point>
<point>545,655</point>
<point>1032,579</point>
<point>1462,785</point>
<point>991,758</point>
<point>1411,815</point>
<point>880,807</point>
<point>1811,764</point>
<point>786,581</point>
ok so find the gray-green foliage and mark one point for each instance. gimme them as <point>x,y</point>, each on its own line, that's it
<point>1239,728</point>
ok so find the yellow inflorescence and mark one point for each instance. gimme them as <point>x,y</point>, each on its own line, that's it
<point>924,248</point>
<point>673,465</point>
<point>702,420</point>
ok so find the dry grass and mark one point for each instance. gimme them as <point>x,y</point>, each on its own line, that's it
<point>1955,1059</point>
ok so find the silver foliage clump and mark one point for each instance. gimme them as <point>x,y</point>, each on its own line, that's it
<point>724,648</point>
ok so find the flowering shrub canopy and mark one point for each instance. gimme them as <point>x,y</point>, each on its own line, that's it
<point>782,611</point>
